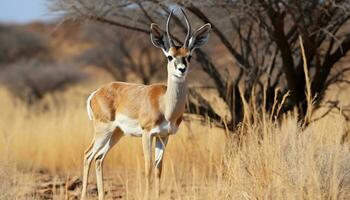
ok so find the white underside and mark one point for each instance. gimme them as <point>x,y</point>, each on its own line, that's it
<point>131,127</point>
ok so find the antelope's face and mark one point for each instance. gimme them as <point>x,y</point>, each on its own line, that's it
<point>178,62</point>
<point>179,57</point>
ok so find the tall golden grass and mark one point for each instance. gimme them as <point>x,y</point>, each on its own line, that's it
<point>272,160</point>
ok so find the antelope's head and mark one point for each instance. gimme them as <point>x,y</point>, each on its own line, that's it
<point>179,57</point>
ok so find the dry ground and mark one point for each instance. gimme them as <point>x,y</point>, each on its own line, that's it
<point>41,152</point>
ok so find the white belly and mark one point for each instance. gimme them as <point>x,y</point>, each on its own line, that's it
<point>132,127</point>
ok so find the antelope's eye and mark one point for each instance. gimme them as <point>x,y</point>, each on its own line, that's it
<point>170,58</point>
<point>189,58</point>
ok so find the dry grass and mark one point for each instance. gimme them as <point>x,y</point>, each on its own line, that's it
<point>272,160</point>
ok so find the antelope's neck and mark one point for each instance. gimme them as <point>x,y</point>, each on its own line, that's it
<point>175,98</point>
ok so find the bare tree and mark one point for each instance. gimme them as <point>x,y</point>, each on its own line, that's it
<point>120,52</point>
<point>28,68</point>
<point>18,44</point>
<point>261,37</point>
<point>31,80</point>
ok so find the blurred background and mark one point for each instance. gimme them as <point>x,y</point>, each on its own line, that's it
<point>254,52</point>
<point>272,71</point>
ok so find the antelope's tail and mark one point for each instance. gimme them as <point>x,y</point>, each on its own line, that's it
<point>88,106</point>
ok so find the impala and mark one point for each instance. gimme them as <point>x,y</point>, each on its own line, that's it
<point>147,111</point>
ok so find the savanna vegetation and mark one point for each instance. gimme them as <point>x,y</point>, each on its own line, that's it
<point>266,118</point>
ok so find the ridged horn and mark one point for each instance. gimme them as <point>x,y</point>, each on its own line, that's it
<point>171,42</point>
<point>188,36</point>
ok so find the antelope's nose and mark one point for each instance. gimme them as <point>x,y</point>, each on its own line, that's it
<point>182,70</point>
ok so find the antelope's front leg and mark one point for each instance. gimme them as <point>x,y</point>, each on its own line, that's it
<point>147,153</point>
<point>159,152</point>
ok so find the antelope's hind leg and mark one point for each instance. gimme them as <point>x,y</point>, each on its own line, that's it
<point>101,138</point>
<point>88,156</point>
<point>99,157</point>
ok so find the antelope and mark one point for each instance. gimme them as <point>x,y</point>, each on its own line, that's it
<point>147,111</point>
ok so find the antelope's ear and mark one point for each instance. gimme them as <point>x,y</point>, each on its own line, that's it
<point>200,37</point>
<point>158,37</point>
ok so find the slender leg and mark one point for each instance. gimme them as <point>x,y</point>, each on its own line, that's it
<point>159,152</point>
<point>87,163</point>
<point>99,157</point>
<point>102,136</point>
<point>98,143</point>
<point>147,153</point>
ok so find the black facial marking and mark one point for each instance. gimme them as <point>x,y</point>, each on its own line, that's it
<point>183,60</point>
<point>170,58</point>
<point>189,58</point>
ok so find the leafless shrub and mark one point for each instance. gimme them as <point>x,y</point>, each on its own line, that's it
<point>31,80</point>
<point>122,52</point>
<point>17,44</point>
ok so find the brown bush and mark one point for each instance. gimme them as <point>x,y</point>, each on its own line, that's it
<point>18,44</point>
<point>31,80</point>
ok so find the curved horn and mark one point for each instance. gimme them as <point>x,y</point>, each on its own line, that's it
<point>188,30</point>
<point>168,31</point>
